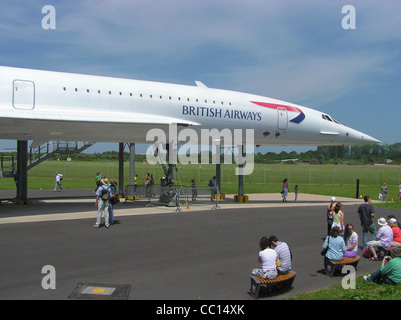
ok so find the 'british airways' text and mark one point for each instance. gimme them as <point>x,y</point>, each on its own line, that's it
<point>221,113</point>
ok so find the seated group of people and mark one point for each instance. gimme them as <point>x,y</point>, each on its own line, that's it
<point>341,246</point>
<point>388,236</point>
<point>347,244</point>
<point>275,257</point>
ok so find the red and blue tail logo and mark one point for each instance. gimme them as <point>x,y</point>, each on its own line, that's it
<point>298,119</point>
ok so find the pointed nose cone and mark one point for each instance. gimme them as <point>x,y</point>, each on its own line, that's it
<point>357,137</point>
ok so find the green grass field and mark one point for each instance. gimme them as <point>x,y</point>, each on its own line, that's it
<point>339,180</point>
<point>363,291</point>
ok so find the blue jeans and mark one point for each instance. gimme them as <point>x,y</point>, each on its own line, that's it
<point>377,276</point>
<point>372,230</point>
<point>111,213</point>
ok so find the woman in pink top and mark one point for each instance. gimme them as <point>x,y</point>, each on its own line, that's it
<point>284,191</point>
<point>396,232</point>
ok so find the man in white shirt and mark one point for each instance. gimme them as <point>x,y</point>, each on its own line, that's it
<point>59,177</point>
<point>384,238</point>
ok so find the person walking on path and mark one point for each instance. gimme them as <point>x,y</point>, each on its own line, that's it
<point>59,177</point>
<point>383,191</point>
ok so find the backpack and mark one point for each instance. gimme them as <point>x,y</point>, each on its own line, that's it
<point>211,183</point>
<point>105,193</point>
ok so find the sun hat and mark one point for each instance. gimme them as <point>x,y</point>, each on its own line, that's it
<point>382,222</point>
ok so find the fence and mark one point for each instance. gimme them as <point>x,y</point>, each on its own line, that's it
<point>84,172</point>
<point>171,196</point>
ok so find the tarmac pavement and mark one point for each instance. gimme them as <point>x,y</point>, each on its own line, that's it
<point>160,253</point>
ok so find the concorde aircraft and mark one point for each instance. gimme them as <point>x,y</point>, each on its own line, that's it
<point>46,105</point>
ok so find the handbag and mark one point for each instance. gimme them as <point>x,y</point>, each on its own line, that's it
<point>367,253</point>
<point>324,251</point>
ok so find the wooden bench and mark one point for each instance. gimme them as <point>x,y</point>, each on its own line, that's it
<point>280,283</point>
<point>332,267</point>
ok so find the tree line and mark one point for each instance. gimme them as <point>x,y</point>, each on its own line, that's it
<point>363,154</point>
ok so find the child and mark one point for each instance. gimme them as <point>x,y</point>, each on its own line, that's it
<point>296,192</point>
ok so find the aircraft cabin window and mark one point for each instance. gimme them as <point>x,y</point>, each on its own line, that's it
<point>109,92</point>
<point>161,97</point>
<point>98,91</point>
<point>87,90</point>
<point>169,98</point>
<point>151,96</point>
<point>121,93</point>
<point>76,89</point>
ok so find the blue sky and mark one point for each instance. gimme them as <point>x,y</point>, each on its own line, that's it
<point>296,51</point>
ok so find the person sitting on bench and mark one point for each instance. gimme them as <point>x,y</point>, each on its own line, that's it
<point>384,238</point>
<point>268,258</point>
<point>336,245</point>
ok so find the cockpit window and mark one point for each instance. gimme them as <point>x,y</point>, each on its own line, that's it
<point>327,117</point>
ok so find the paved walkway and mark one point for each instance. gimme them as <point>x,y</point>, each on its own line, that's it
<point>195,254</point>
<point>46,205</point>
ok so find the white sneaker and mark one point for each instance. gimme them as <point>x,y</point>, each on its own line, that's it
<point>366,278</point>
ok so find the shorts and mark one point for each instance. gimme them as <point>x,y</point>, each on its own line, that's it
<point>268,274</point>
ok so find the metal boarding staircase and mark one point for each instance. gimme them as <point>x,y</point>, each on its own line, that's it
<point>36,155</point>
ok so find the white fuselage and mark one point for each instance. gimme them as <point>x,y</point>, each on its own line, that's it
<point>45,105</point>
